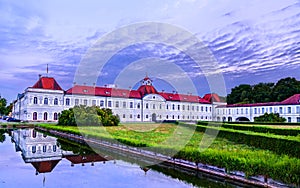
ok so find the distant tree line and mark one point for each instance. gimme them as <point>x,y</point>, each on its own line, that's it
<point>264,92</point>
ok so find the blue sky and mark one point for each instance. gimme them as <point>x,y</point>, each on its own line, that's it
<point>252,41</point>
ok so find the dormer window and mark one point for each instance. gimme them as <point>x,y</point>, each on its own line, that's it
<point>85,90</point>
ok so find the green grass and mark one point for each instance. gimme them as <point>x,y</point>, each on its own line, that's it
<point>223,152</point>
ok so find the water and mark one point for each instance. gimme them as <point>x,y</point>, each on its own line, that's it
<point>33,159</point>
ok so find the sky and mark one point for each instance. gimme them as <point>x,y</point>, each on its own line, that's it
<point>251,41</point>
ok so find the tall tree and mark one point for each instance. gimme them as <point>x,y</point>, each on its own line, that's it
<point>262,92</point>
<point>240,94</point>
<point>285,88</point>
<point>3,110</point>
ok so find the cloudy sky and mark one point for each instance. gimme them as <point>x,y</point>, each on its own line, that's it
<point>252,41</point>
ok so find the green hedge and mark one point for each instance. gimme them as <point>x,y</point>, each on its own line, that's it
<point>273,143</point>
<point>259,129</point>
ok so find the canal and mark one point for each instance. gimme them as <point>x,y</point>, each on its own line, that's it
<point>34,159</point>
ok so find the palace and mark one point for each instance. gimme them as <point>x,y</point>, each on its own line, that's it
<point>45,100</point>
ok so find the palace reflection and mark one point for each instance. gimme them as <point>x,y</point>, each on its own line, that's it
<point>44,152</point>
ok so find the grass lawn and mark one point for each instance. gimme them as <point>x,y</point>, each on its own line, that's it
<point>186,140</point>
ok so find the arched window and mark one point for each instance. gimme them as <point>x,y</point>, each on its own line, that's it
<point>34,116</point>
<point>55,101</point>
<point>35,100</point>
<point>67,101</point>
<point>45,100</point>
<point>45,116</point>
<point>33,134</point>
<point>33,149</point>
<point>55,117</point>
<point>147,105</point>
<point>54,148</point>
<point>138,116</point>
<point>44,148</point>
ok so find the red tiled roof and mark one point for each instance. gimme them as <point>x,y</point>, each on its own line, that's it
<point>103,91</point>
<point>183,98</point>
<point>295,99</point>
<point>147,89</point>
<point>291,100</point>
<point>47,83</point>
<point>212,97</point>
<point>45,166</point>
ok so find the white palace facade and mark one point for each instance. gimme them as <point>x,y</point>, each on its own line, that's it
<point>45,100</point>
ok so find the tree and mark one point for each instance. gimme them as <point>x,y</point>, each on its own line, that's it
<point>285,88</point>
<point>262,92</point>
<point>271,118</point>
<point>3,110</point>
<point>240,94</point>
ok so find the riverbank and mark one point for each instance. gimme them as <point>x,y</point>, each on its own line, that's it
<point>230,156</point>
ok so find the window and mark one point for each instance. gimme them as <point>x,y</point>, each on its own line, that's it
<point>229,111</point>
<point>102,103</point>
<point>173,117</point>
<point>289,119</point>
<point>237,111</point>
<point>242,111</point>
<point>147,105</point>
<point>131,105</point>
<point>173,107</point>
<point>44,148</point>
<point>94,102</point>
<point>246,110</point>
<point>85,102</point>
<point>109,104</point>
<point>201,108</point>
<point>45,100</point>
<point>263,110</point>
<point>55,101</point>
<point>45,116</point>
<point>55,117</point>
<point>178,117</point>
<point>159,106</point>
<point>270,109</point>
<point>298,110</point>
<point>298,119</point>
<point>33,134</point>
<point>117,104</point>
<point>167,107</point>
<point>193,108</point>
<point>188,107</point>
<point>138,105</point>
<point>130,116</point>
<point>153,106</point>
<point>255,111</point>
<point>67,101</point>
<point>34,116</point>
<point>54,148</point>
<point>289,110</point>
<point>124,104</point>
<point>206,109</point>
<point>280,110</point>
<point>210,109</point>
<point>178,108</point>
<point>167,117</point>
<point>33,149</point>
<point>183,107</point>
<point>76,102</point>
<point>147,116</point>
<point>124,116</point>
<point>35,101</point>
<point>138,116</point>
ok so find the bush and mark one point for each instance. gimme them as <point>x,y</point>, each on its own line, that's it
<point>272,117</point>
<point>88,116</point>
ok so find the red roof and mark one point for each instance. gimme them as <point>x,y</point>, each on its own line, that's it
<point>45,166</point>
<point>212,97</point>
<point>47,83</point>
<point>295,99</point>
<point>146,89</point>
<point>103,91</point>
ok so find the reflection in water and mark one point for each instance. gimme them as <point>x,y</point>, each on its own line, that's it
<point>45,152</point>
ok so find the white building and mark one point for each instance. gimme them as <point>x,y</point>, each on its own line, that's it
<point>288,108</point>
<point>46,99</point>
